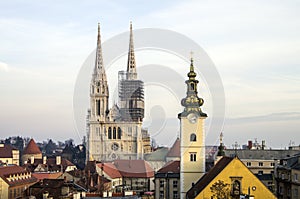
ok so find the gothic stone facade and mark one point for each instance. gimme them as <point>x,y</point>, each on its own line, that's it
<point>116,133</point>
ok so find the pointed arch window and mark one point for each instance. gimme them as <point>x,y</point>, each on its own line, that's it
<point>114,133</point>
<point>119,133</point>
<point>193,137</point>
<point>109,132</point>
<point>98,106</point>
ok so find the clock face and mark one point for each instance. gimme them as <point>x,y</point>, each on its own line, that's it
<point>192,117</point>
<point>114,146</point>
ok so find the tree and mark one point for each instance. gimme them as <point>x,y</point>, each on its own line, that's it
<point>15,141</point>
<point>69,142</point>
<point>50,147</point>
<point>220,190</point>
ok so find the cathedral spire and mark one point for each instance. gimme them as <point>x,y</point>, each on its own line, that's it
<point>131,66</point>
<point>99,71</point>
<point>99,87</point>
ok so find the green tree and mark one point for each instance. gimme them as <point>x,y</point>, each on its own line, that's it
<point>220,190</point>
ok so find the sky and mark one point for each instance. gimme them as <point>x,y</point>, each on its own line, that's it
<point>254,45</point>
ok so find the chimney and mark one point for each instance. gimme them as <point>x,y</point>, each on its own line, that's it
<point>45,160</point>
<point>58,160</point>
<point>32,160</point>
<point>250,144</point>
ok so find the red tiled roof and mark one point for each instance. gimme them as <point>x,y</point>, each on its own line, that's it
<point>6,171</point>
<point>134,168</point>
<point>208,177</point>
<point>175,149</point>
<point>110,170</point>
<point>172,166</point>
<point>6,151</point>
<point>41,176</point>
<point>32,148</point>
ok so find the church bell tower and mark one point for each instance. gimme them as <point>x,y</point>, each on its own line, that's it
<point>192,136</point>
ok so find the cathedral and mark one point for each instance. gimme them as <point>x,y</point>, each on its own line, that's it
<point>116,132</point>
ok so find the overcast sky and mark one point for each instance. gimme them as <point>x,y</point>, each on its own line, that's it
<point>254,45</point>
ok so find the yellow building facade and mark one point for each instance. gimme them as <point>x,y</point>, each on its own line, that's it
<point>192,135</point>
<point>230,179</point>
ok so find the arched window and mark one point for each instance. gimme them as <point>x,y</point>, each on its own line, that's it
<point>119,133</point>
<point>193,137</point>
<point>114,133</point>
<point>109,132</point>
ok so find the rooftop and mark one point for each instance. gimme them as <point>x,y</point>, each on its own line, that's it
<point>134,168</point>
<point>6,151</point>
<point>32,148</point>
<point>170,167</point>
<point>208,177</point>
<point>175,149</point>
<point>110,170</point>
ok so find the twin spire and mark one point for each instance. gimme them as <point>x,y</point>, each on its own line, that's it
<point>99,70</point>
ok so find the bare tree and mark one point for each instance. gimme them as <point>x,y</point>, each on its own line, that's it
<point>220,190</point>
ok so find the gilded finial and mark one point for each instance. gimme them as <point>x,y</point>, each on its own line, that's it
<point>192,74</point>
